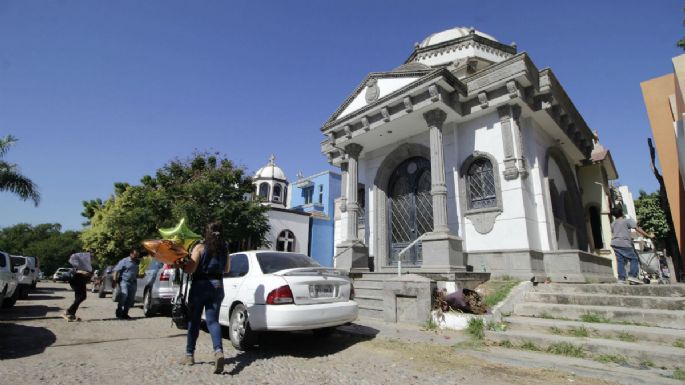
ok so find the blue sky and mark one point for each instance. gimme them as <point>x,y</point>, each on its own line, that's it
<point>101,91</point>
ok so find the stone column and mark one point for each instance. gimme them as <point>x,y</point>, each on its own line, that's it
<point>353,150</point>
<point>351,254</point>
<point>435,118</point>
<point>442,251</point>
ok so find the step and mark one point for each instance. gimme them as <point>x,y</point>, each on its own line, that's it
<point>665,303</point>
<point>368,283</point>
<point>651,317</point>
<point>635,353</point>
<point>599,330</point>
<point>369,301</point>
<point>677,290</point>
<point>370,313</point>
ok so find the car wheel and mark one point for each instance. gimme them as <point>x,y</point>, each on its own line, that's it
<point>9,302</point>
<point>239,329</point>
<point>2,296</point>
<point>24,292</point>
<point>148,309</point>
<point>323,332</point>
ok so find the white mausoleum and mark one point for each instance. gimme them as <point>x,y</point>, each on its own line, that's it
<point>474,150</point>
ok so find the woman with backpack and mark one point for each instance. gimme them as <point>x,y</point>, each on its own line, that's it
<point>207,263</point>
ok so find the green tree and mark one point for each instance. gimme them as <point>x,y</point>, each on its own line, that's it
<point>11,178</point>
<point>202,189</point>
<point>651,216</point>
<point>45,241</point>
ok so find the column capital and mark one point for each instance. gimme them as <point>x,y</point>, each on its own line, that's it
<point>353,150</point>
<point>435,117</point>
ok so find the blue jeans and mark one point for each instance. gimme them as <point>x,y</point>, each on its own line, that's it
<point>204,295</point>
<point>127,296</point>
<point>623,254</point>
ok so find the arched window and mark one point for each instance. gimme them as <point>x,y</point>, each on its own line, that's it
<point>285,241</point>
<point>264,190</point>
<point>480,185</point>
<point>277,193</point>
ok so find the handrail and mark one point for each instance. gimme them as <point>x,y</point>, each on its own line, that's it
<point>409,246</point>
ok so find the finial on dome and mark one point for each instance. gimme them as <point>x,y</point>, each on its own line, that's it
<point>300,175</point>
<point>272,160</point>
<point>513,45</point>
<point>472,30</point>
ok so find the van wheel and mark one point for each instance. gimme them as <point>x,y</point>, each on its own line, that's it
<point>240,333</point>
<point>148,309</point>
<point>2,296</point>
<point>24,291</point>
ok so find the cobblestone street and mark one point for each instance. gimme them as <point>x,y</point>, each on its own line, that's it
<point>38,346</point>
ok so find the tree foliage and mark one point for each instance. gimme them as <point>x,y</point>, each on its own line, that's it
<point>651,216</point>
<point>11,179</point>
<point>45,241</point>
<point>202,189</point>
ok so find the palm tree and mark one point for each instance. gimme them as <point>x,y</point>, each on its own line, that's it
<point>10,177</point>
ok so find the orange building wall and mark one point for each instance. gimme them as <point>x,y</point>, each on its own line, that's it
<point>656,93</point>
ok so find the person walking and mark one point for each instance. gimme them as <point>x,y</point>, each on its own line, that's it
<point>622,243</point>
<point>82,271</point>
<point>127,271</point>
<point>207,263</point>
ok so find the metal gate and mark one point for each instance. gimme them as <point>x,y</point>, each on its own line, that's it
<point>410,208</point>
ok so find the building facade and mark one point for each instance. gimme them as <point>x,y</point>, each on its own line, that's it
<point>467,156</point>
<point>316,195</point>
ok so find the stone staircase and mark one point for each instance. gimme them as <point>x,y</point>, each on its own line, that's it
<point>368,293</point>
<point>638,326</point>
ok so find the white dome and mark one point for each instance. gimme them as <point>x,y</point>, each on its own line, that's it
<point>270,171</point>
<point>451,34</point>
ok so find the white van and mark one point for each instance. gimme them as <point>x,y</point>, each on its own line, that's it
<point>27,274</point>
<point>8,281</point>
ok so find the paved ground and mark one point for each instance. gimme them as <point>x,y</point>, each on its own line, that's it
<point>38,346</point>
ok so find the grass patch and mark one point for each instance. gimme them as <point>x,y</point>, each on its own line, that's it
<point>593,318</point>
<point>647,363</point>
<point>556,330</point>
<point>546,315</point>
<point>470,344</point>
<point>498,291</point>
<point>430,324</point>
<point>578,332</point>
<point>476,328</point>
<point>679,343</point>
<point>615,358</point>
<point>626,337</point>
<point>497,326</point>
<point>678,374</point>
<point>529,345</point>
<point>505,344</point>
<point>566,349</point>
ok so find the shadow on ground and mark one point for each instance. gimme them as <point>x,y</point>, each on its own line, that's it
<point>17,341</point>
<point>25,312</point>
<point>295,344</point>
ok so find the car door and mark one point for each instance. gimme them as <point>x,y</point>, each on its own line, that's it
<point>148,279</point>
<point>233,280</point>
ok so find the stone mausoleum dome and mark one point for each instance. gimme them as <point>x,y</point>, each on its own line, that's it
<point>464,50</point>
<point>451,34</point>
<point>271,184</point>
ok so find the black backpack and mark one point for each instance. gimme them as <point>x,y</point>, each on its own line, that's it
<point>179,306</point>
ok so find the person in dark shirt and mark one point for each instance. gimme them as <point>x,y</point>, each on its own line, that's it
<point>622,243</point>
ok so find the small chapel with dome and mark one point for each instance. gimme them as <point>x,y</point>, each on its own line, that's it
<point>469,157</point>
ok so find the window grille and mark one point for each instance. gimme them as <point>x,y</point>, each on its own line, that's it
<point>480,180</point>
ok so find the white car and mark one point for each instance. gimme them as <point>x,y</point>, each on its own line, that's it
<point>8,281</point>
<point>27,274</point>
<point>277,291</point>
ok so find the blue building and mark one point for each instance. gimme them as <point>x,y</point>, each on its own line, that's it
<point>316,195</point>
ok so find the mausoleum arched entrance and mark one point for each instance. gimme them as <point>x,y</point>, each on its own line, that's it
<point>403,204</point>
<point>565,211</point>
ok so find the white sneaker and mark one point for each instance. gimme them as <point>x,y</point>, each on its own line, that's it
<point>634,281</point>
<point>622,282</point>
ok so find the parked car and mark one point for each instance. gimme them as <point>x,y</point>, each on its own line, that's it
<point>156,288</point>
<point>62,274</point>
<point>103,282</point>
<point>280,291</point>
<point>8,281</point>
<point>35,263</point>
<point>27,275</point>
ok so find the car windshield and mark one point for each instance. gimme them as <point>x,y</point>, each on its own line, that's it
<point>273,262</point>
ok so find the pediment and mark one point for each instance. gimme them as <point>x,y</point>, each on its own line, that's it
<point>375,87</point>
